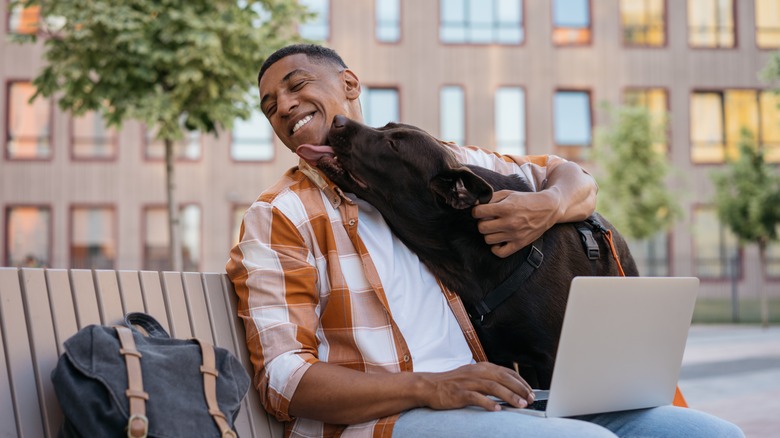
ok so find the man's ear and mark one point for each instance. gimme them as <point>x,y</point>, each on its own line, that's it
<point>351,84</point>
<point>461,188</point>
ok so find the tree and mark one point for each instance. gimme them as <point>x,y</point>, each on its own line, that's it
<point>173,65</point>
<point>747,197</point>
<point>632,191</point>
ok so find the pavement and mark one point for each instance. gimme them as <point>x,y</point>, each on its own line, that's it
<point>733,372</point>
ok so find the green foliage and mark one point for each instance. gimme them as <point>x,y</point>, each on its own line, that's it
<point>748,194</point>
<point>632,193</point>
<point>162,62</point>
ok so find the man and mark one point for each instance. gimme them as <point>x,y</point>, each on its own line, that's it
<point>345,326</point>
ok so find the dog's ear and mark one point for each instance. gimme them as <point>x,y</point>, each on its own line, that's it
<point>461,188</point>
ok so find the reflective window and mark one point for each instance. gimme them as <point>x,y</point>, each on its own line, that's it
<point>718,117</point>
<point>28,236</point>
<point>711,23</point>
<point>93,238</point>
<point>92,139</point>
<point>572,118</point>
<point>651,255</point>
<point>24,20</point>
<point>452,114</point>
<point>388,20</point>
<point>253,139</point>
<point>716,254</point>
<point>316,28</point>
<point>157,238</point>
<point>571,22</point>
<point>380,106</point>
<point>29,124</point>
<point>187,149</point>
<point>481,21</point>
<point>644,22</point>
<point>655,100</point>
<point>510,120</point>
<point>768,24</point>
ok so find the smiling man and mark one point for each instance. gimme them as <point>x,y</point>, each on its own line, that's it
<point>348,332</point>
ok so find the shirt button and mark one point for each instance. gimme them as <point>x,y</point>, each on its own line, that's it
<point>352,222</point>
<point>406,358</point>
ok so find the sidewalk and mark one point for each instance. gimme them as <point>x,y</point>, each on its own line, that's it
<point>733,371</point>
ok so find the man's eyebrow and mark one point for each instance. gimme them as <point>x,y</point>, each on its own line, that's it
<point>286,78</point>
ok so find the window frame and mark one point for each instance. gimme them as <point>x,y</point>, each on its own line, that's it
<point>664,31</point>
<point>524,103</point>
<point>717,46</point>
<point>367,89</point>
<point>326,22</point>
<point>113,208</point>
<point>7,235</point>
<point>7,124</point>
<point>464,109</point>
<point>667,108</point>
<point>273,145</point>
<point>694,249</point>
<point>399,39</point>
<point>147,140</point>
<point>588,30</point>
<point>112,139</point>
<point>467,42</point>
<point>571,151</point>
<point>9,13</point>
<point>144,227</point>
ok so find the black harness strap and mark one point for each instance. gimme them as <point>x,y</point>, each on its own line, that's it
<point>512,283</point>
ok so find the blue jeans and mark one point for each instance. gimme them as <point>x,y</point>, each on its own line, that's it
<point>665,421</point>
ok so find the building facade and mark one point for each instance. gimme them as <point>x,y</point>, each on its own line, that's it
<point>517,76</point>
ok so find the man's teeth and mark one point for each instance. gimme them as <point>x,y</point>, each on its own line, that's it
<point>302,122</point>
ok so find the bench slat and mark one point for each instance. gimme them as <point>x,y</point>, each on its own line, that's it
<point>43,342</point>
<point>63,310</point>
<point>9,278</point>
<point>87,309</point>
<point>176,305</point>
<point>199,315</point>
<point>109,299</point>
<point>21,374</point>
<point>154,297</point>
<point>130,291</point>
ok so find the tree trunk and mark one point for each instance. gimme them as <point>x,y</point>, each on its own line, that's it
<point>174,248</point>
<point>764,295</point>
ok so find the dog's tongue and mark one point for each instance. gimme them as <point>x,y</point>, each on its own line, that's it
<point>312,153</point>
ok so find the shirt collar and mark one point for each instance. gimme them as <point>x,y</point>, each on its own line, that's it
<point>333,192</point>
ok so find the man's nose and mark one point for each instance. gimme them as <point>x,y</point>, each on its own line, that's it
<point>286,103</point>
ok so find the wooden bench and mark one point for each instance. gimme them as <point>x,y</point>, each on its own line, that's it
<point>41,308</point>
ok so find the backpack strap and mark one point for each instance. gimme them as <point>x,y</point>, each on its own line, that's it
<point>210,374</point>
<point>137,424</point>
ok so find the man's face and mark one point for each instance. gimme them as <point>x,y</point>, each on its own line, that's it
<point>300,98</point>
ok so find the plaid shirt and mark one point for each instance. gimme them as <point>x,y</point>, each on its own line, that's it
<point>308,290</point>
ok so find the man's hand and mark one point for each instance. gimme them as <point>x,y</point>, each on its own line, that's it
<point>470,385</point>
<point>513,220</point>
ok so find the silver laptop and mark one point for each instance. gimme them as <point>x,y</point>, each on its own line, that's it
<point>621,345</point>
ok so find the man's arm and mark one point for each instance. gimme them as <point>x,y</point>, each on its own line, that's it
<point>512,220</point>
<point>338,395</point>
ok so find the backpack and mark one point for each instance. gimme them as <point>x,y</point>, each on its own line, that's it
<point>115,381</point>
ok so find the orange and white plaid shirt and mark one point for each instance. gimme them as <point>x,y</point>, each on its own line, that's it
<point>308,290</point>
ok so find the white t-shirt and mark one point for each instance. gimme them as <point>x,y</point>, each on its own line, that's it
<point>416,301</point>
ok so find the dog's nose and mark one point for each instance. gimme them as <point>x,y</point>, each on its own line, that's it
<point>339,121</point>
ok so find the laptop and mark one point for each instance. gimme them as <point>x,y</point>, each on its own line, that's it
<point>621,345</point>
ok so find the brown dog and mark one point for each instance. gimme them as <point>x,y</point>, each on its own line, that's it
<point>426,197</point>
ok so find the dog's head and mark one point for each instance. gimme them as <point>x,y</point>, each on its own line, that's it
<point>388,165</point>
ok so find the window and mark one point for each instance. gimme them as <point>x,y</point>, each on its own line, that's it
<point>388,20</point>
<point>768,24</point>
<point>711,23</point>
<point>481,21</point>
<point>380,106</point>
<point>571,22</point>
<point>187,149</point>
<point>651,255</point>
<point>644,22</point>
<point>93,238</point>
<point>510,120</point>
<point>572,118</point>
<point>318,27</point>
<point>717,118</point>
<point>157,238</point>
<point>716,254</point>
<point>28,236</point>
<point>452,114</point>
<point>253,139</point>
<point>29,124</point>
<point>655,100</point>
<point>92,139</point>
<point>24,20</point>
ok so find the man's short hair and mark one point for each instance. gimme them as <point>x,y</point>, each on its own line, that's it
<point>314,52</point>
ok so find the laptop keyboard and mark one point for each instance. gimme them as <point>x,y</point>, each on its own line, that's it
<point>538,405</point>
